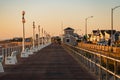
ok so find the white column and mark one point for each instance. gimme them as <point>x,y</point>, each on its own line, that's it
<point>39,35</point>
<point>33,34</point>
<point>23,41</point>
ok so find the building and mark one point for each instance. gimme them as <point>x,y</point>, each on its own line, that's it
<point>108,35</point>
<point>69,36</point>
<point>117,37</point>
<point>103,35</point>
<point>95,36</point>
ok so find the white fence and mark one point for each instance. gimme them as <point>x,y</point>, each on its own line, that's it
<point>5,52</point>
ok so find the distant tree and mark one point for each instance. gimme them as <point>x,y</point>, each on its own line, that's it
<point>85,37</point>
<point>17,40</point>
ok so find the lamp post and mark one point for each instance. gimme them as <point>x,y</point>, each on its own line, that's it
<point>112,11</point>
<point>38,35</point>
<point>61,28</point>
<point>86,20</point>
<point>42,37</point>
<point>33,34</point>
<point>23,41</point>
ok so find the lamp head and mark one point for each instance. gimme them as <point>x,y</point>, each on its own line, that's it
<point>115,7</point>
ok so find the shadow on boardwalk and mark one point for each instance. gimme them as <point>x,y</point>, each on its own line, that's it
<point>51,63</point>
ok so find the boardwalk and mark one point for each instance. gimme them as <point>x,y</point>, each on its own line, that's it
<point>51,63</point>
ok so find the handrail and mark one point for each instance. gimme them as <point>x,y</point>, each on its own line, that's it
<point>93,62</point>
<point>8,51</point>
<point>100,55</point>
<point>99,65</point>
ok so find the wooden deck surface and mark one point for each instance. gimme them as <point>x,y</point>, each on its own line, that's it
<point>50,63</point>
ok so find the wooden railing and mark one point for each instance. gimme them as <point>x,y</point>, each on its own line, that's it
<point>106,50</point>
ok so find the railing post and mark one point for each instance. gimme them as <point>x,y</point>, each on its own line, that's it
<point>9,51</point>
<point>6,54</point>
<point>92,65</point>
<point>115,69</point>
<point>107,69</point>
<point>91,62</point>
<point>96,65</point>
<point>3,53</point>
<point>100,71</point>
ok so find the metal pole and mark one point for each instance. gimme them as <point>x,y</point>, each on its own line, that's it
<point>38,35</point>
<point>100,70</point>
<point>115,69</point>
<point>86,27</point>
<point>42,37</point>
<point>23,41</point>
<point>111,28</point>
<point>61,28</point>
<point>107,76</point>
<point>86,20</point>
<point>112,10</point>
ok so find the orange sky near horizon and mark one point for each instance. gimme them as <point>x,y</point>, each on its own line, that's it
<point>51,13</point>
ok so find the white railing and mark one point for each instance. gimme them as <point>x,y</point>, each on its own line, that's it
<point>8,51</point>
<point>98,63</point>
<point>8,56</point>
<point>5,52</point>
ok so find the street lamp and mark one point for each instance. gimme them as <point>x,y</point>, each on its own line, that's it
<point>42,37</point>
<point>112,23</point>
<point>23,41</point>
<point>33,34</point>
<point>86,19</point>
<point>38,35</point>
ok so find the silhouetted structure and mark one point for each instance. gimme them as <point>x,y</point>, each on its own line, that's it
<point>69,36</point>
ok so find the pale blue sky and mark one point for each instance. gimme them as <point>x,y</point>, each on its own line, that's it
<point>50,13</point>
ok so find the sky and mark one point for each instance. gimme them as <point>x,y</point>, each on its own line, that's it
<point>51,14</point>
